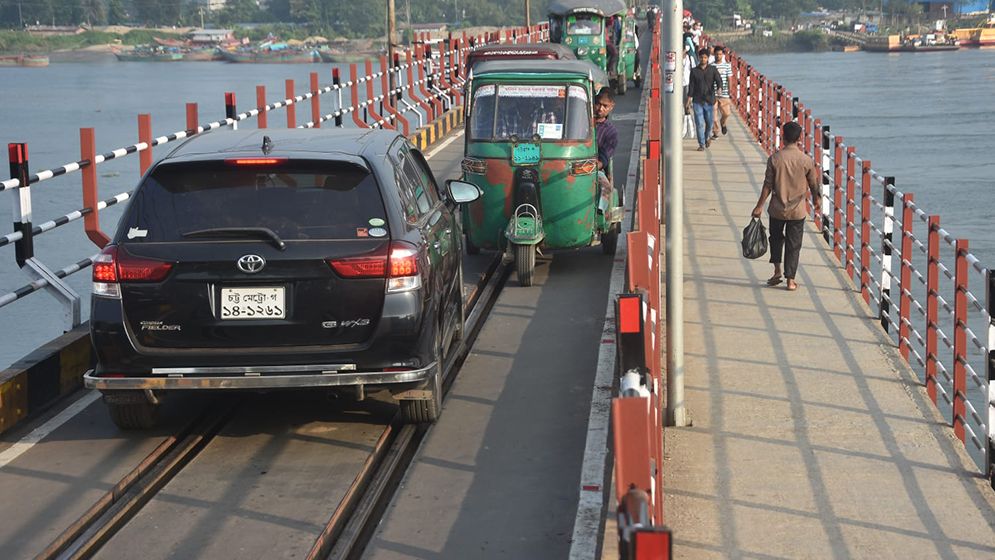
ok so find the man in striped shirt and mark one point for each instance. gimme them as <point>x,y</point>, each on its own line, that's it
<point>723,101</point>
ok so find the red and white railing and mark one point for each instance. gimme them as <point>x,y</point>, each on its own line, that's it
<point>928,307</point>
<point>420,85</point>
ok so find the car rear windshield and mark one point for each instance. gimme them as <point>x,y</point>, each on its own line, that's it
<point>295,199</point>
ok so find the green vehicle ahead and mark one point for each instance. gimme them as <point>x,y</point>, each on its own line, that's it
<point>531,148</point>
<point>602,31</point>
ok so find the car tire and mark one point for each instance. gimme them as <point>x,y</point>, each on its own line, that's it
<point>427,411</point>
<point>133,415</point>
<point>525,264</point>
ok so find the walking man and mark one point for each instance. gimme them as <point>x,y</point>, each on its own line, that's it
<point>723,102</point>
<point>790,177</point>
<point>705,81</point>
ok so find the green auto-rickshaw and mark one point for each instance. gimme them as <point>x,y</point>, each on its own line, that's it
<point>596,31</point>
<point>531,148</point>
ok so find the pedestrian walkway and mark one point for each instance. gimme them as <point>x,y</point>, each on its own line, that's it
<point>810,438</point>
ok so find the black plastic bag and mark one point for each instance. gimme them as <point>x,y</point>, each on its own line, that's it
<point>754,239</point>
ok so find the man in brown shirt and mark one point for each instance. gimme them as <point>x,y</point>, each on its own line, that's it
<point>790,177</point>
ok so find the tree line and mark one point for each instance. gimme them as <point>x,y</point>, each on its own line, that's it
<point>712,12</point>
<point>349,18</point>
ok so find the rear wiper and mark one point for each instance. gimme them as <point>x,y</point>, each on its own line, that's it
<point>266,233</point>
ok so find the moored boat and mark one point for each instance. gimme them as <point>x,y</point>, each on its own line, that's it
<point>270,55</point>
<point>982,36</point>
<point>149,55</point>
<point>26,60</point>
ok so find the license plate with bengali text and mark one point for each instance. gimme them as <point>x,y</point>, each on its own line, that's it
<point>525,154</point>
<point>263,302</point>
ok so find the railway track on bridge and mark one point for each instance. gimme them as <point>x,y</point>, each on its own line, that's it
<point>356,511</point>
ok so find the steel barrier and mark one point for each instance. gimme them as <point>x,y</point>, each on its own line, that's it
<point>866,230</point>
<point>637,414</point>
<point>429,99</point>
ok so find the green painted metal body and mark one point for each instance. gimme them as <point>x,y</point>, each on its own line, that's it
<point>593,47</point>
<point>627,60</point>
<point>568,216</point>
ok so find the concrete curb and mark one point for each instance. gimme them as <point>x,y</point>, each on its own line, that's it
<point>451,120</point>
<point>50,372</point>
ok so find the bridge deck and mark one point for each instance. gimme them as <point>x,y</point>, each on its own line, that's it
<point>811,439</point>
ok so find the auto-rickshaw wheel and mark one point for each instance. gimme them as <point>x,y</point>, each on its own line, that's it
<point>638,81</point>
<point>620,85</point>
<point>609,240</point>
<point>471,249</point>
<point>525,264</point>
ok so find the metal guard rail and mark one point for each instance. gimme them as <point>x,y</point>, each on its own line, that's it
<point>423,69</point>
<point>866,250</point>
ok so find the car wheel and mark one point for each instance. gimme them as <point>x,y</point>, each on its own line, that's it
<point>133,415</point>
<point>525,264</point>
<point>427,410</point>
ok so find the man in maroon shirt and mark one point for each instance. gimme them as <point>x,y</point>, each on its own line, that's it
<point>791,177</point>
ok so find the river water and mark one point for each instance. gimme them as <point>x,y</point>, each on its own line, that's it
<point>928,119</point>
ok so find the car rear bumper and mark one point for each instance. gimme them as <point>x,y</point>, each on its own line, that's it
<point>250,378</point>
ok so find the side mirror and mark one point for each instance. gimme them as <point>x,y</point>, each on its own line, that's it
<point>462,192</point>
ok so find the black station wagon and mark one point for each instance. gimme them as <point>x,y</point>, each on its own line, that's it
<point>280,259</point>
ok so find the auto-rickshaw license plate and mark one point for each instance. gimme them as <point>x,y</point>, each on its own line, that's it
<point>525,154</point>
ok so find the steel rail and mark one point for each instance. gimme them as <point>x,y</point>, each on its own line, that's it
<point>351,524</point>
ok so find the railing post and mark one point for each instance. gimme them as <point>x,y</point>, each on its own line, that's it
<point>865,231</point>
<point>337,82</point>
<point>905,278</point>
<point>91,198</point>
<point>851,184</point>
<point>817,156</point>
<point>193,119</point>
<point>230,109</point>
<point>389,97</point>
<point>18,158</point>
<point>989,463</point>
<point>838,155</point>
<point>887,248</point>
<point>315,101</point>
<point>144,136</point>
<point>291,104</point>
<point>354,92</point>
<point>960,339</point>
<point>262,119</point>
<point>932,304</point>
<point>377,118</point>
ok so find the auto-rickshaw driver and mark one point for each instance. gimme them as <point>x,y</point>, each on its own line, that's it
<point>525,117</point>
<point>607,137</point>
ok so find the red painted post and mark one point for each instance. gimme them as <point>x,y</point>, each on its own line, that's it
<point>865,231</point>
<point>193,118</point>
<point>410,61</point>
<point>838,156</point>
<point>292,107</point>
<point>315,101</point>
<point>370,96</point>
<point>905,277</point>
<point>261,119</point>
<point>354,91</point>
<point>809,138</point>
<point>144,135</point>
<point>851,183</point>
<point>388,101</point>
<point>817,156</point>
<point>960,339</point>
<point>429,99</point>
<point>932,303</point>
<point>91,221</point>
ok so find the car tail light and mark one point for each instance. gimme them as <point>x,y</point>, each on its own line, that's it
<point>255,161</point>
<point>584,167</point>
<point>114,265</point>
<point>399,266</point>
<point>374,266</point>
<point>473,165</point>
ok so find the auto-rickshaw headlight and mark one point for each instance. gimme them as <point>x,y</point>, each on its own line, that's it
<point>596,40</point>
<point>570,40</point>
<point>473,165</point>
<point>584,167</point>
<point>581,51</point>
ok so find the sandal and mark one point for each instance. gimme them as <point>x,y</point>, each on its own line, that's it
<point>774,280</point>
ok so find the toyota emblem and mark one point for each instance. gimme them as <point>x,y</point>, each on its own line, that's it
<point>251,264</point>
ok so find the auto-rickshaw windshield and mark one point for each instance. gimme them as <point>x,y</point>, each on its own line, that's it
<point>584,24</point>
<point>552,112</point>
